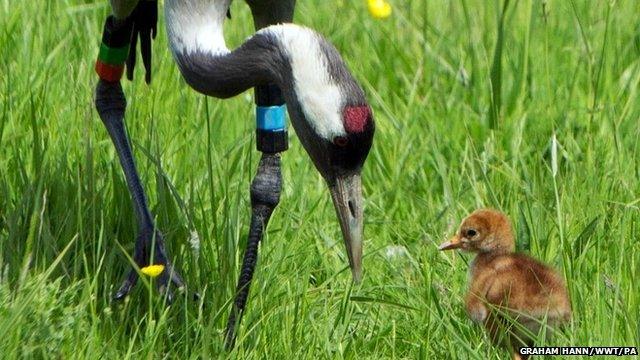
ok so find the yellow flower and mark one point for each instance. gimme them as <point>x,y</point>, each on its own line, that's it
<point>379,9</point>
<point>152,270</point>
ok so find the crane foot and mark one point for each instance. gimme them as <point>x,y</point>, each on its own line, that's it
<point>150,250</point>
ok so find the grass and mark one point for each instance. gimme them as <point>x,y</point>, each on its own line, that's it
<point>542,124</point>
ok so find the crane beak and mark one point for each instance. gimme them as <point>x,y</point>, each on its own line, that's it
<point>454,243</point>
<point>347,199</point>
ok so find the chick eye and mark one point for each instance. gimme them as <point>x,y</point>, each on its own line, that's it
<point>341,141</point>
<point>470,233</point>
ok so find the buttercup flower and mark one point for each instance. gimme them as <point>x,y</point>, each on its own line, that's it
<point>379,9</point>
<point>152,270</point>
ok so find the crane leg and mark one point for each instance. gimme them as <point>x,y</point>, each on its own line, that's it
<point>267,184</point>
<point>271,140</point>
<point>149,247</point>
<point>265,195</point>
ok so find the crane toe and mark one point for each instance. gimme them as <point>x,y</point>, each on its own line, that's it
<point>151,259</point>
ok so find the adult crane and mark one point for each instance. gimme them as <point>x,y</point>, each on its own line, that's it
<point>287,64</point>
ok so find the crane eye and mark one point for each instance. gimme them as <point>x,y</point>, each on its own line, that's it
<point>341,141</point>
<point>470,233</point>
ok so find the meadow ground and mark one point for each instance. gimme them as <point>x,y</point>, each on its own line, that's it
<point>540,121</point>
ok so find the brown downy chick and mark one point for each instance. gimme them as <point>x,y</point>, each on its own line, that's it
<point>503,282</point>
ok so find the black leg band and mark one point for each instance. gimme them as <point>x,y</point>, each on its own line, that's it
<point>271,133</point>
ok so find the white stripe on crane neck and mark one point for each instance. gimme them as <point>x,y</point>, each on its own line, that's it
<point>321,98</point>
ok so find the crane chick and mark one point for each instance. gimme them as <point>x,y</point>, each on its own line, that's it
<point>511,294</point>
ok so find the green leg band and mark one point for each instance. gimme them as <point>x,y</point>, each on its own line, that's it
<point>113,56</point>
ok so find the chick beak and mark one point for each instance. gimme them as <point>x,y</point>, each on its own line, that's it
<point>453,243</point>
<point>347,199</point>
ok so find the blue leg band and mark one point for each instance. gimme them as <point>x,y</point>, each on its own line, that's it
<point>271,118</point>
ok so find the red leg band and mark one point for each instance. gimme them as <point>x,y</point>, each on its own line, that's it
<point>111,73</point>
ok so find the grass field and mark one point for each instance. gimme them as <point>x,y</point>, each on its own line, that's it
<point>540,121</point>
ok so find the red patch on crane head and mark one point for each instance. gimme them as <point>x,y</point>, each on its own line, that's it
<point>356,118</point>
